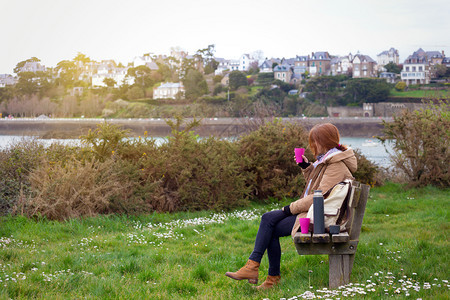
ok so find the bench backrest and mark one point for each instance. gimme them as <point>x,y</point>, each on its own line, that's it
<point>357,207</point>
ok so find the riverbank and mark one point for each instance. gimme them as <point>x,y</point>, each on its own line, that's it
<point>221,127</point>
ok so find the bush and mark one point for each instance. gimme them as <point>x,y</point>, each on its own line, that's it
<point>194,174</point>
<point>112,174</point>
<point>74,189</point>
<point>268,159</point>
<point>400,86</point>
<point>16,162</point>
<point>367,171</point>
<point>421,142</point>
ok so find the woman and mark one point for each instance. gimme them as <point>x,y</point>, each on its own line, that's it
<point>334,163</point>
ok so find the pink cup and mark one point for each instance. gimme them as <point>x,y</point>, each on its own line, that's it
<point>298,154</point>
<point>304,225</point>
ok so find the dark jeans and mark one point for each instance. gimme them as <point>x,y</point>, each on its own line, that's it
<point>274,224</point>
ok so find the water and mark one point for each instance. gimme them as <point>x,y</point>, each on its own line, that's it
<point>372,149</point>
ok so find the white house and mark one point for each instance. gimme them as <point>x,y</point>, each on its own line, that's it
<point>118,74</point>
<point>145,60</point>
<point>6,79</point>
<point>341,65</point>
<point>224,65</point>
<point>416,69</point>
<point>169,90</point>
<point>33,66</point>
<point>386,57</point>
<point>245,62</point>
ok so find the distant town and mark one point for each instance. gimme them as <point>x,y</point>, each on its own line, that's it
<point>182,76</point>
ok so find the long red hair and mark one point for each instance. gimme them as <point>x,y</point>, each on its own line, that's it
<point>324,137</point>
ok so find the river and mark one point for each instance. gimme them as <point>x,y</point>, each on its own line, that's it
<point>371,148</point>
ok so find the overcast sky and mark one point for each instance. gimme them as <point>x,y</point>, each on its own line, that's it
<point>54,30</point>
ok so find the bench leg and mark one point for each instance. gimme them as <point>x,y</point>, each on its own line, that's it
<point>340,270</point>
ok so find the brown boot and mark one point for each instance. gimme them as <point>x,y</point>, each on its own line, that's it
<point>269,283</point>
<point>249,271</point>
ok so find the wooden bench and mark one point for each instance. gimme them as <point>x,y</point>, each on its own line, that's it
<point>340,248</point>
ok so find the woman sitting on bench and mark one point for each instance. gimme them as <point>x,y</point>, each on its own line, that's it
<point>334,163</point>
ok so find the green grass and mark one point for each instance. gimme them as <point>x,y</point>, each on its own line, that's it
<point>254,90</point>
<point>421,93</point>
<point>185,255</point>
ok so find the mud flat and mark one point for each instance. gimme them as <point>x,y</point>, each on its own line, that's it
<point>222,127</point>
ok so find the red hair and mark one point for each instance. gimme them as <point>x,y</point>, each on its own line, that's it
<point>324,137</point>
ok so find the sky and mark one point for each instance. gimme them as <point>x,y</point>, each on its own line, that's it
<point>56,30</point>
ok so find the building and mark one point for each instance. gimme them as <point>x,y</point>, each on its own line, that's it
<point>119,75</point>
<point>245,62</point>
<point>319,63</point>
<point>169,90</point>
<point>266,67</point>
<point>224,65</point>
<point>389,76</point>
<point>363,66</point>
<point>341,65</point>
<point>446,62</point>
<point>435,57</point>
<point>145,60</point>
<point>416,69</point>
<point>7,79</point>
<point>32,66</point>
<point>283,73</point>
<point>386,57</point>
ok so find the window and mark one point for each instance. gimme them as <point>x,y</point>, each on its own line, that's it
<point>420,68</point>
<point>413,69</point>
<point>407,69</point>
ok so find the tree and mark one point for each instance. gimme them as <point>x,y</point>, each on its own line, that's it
<point>362,90</point>
<point>194,84</point>
<point>109,82</point>
<point>441,70</point>
<point>393,68</point>
<point>20,65</point>
<point>324,89</point>
<point>206,56</point>
<point>67,72</point>
<point>82,58</point>
<point>237,79</point>
<point>26,85</point>
<point>142,76</point>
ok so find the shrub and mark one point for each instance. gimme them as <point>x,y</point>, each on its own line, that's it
<point>16,162</point>
<point>73,190</point>
<point>194,174</point>
<point>400,86</point>
<point>421,144</point>
<point>104,141</point>
<point>268,159</point>
<point>367,171</point>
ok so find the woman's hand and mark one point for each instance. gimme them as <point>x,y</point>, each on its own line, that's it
<point>305,159</point>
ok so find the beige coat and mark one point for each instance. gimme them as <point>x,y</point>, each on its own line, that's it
<point>323,177</point>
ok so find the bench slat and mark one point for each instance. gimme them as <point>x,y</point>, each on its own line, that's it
<point>320,238</point>
<point>303,238</point>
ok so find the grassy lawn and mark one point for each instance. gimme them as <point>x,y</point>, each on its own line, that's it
<point>403,250</point>
<point>421,93</point>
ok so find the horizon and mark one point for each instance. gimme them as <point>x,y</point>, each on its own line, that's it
<point>54,30</point>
